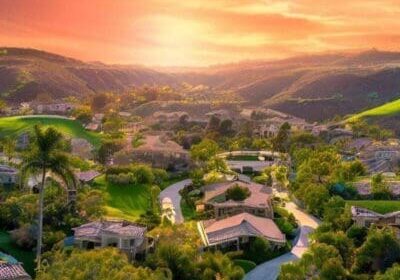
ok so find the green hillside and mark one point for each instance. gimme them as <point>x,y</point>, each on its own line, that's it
<point>13,126</point>
<point>388,109</point>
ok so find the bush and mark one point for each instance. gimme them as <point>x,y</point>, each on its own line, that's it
<point>259,251</point>
<point>237,193</point>
<point>120,179</point>
<point>24,237</point>
<point>285,226</point>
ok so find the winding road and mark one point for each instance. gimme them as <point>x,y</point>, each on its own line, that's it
<point>172,192</point>
<point>270,269</point>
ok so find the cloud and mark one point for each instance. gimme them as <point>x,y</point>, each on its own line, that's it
<point>198,32</point>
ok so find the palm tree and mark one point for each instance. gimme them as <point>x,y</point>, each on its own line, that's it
<point>46,156</point>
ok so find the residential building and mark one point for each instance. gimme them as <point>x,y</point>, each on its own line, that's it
<point>365,218</point>
<point>60,108</point>
<point>82,148</point>
<point>128,237</point>
<point>258,203</point>
<point>11,269</point>
<point>87,176</point>
<point>8,175</point>
<point>236,231</point>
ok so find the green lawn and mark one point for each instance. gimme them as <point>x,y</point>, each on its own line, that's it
<point>245,264</point>
<point>188,212</point>
<point>13,126</point>
<point>387,109</point>
<point>379,206</point>
<point>26,257</point>
<point>124,201</point>
<point>243,158</point>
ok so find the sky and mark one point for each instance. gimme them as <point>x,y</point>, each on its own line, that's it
<point>198,32</point>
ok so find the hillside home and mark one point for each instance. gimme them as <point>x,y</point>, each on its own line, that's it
<point>257,203</point>
<point>237,231</point>
<point>381,156</point>
<point>85,177</point>
<point>8,175</point>
<point>59,108</point>
<point>22,141</point>
<point>160,152</point>
<point>11,269</point>
<point>128,237</point>
<point>365,218</point>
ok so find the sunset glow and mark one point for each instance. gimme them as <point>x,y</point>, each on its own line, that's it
<point>195,32</point>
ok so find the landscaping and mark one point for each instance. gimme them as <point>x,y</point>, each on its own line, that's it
<point>14,126</point>
<point>26,257</point>
<point>379,206</point>
<point>245,264</point>
<point>124,201</point>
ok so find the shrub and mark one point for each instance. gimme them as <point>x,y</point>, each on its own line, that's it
<point>237,193</point>
<point>24,237</point>
<point>120,179</point>
<point>259,251</point>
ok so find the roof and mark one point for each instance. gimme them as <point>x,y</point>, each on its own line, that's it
<point>244,224</point>
<point>10,271</point>
<point>363,212</point>
<point>94,230</point>
<point>259,194</point>
<point>156,143</point>
<point>7,169</point>
<point>87,176</point>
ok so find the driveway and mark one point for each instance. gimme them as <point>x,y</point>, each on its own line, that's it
<point>270,269</point>
<point>172,192</point>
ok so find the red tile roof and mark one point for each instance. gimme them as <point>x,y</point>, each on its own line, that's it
<point>244,224</point>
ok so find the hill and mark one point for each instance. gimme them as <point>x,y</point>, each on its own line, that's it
<point>14,126</point>
<point>386,116</point>
<point>315,87</point>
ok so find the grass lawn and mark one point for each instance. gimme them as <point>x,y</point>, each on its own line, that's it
<point>387,109</point>
<point>188,212</point>
<point>13,126</point>
<point>245,264</point>
<point>379,206</point>
<point>26,257</point>
<point>124,201</point>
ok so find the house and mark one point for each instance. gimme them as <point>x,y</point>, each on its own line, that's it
<point>22,141</point>
<point>365,218</point>
<point>11,269</point>
<point>257,203</point>
<point>95,124</point>
<point>128,237</point>
<point>87,176</point>
<point>238,230</point>
<point>364,187</point>
<point>160,152</point>
<point>8,175</point>
<point>82,148</point>
<point>60,108</point>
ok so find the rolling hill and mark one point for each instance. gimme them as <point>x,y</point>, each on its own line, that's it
<point>386,116</point>
<point>315,87</point>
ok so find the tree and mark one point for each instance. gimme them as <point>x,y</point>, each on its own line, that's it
<point>83,114</point>
<point>46,156</point>
<point>392,273</point>
<point>380,188</point>
<point>380,250</point>
<point>280,174</point>
<point>259,250</point>
<point>9,146</point>
<point>99,264</point>
<point>204,151</point>
<point>99,101</point>
<point>225,127</point>
<point>237,193</point>
<point>281,142</point>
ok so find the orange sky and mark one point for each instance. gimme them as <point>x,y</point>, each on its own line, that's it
<point>198,32</point>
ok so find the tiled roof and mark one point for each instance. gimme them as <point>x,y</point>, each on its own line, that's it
<point>244,224</point>
<point>363,212</point>
<point>12,272</point>
<point>87,176</point>
<point>259,194</point>
<point>94,230</point>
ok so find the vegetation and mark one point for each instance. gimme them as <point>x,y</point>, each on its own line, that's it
<point>237,193</point>
<point>379,206</point>
<point>14,126</point>
<point>390,108</point>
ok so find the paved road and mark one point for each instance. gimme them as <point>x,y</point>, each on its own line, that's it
<point>172,192</point>
<point>270,269</point>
